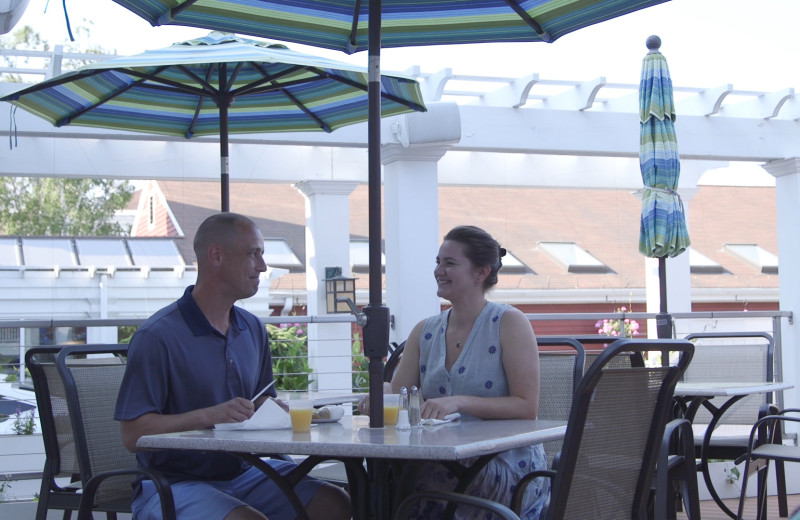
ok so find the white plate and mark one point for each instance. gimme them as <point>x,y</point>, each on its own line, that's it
<point>336,414</point>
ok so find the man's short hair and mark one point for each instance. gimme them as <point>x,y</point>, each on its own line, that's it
<point>219,228</point>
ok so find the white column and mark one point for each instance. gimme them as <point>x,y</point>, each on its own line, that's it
<point>410,154</point>
<point>787,193</point>
<point>679,278</point>
<point>327,245</point>
<point>102,335</point>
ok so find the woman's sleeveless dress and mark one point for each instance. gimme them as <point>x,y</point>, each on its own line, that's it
<point>478,371</point>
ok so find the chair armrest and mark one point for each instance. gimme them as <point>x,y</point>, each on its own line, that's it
<point>519,491</point>
<point>404,509</point>
<point>161,483</point>
<point>767,426</point>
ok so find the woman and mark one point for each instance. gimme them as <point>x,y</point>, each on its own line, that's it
<point>480,359</point>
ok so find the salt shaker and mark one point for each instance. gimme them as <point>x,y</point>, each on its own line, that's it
<point>402,415</point>
<point>413,407</point>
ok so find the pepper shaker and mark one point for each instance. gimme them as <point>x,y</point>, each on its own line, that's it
<point>413,407</point>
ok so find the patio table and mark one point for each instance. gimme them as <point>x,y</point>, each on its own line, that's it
<point>352,441</point>
<point>692,395</point>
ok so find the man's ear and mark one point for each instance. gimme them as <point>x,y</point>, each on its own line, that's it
<point>215,254</point>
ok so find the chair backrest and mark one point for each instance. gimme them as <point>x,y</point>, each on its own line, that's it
<point>92,375</point>
<point>391,363</point>
<point>732,356</point>
<point>614,432</point>
<point>59,446</point>
<point>561,361</point>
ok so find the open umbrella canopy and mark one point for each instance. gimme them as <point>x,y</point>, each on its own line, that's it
<point>663,225</point>
<point>218,84</point>
<point>343,24</point>
<point>179,90</point>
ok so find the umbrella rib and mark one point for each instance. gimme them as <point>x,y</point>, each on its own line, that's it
<point>198,106</point>
<point>257,87</point>
<point>322,124</point>
<point>357,85</point>
<point>543,34</point>
<point>205,90</point>
<point>68,118</point>
<point>354,27</point>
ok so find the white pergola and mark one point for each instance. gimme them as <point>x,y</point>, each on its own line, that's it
<point>526,131</point>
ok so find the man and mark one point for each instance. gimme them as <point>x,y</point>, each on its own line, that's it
<point>198,362</point>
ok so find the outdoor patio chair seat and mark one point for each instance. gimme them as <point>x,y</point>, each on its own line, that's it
<point>91,375</point>
<point>765,444</point>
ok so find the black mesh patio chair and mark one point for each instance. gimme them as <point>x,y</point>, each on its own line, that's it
<point>561,365</point>
<point>741,357</point>
<point>92,375</point>
<point>616,426</point>
<point>500,511</point>
<point>765,444</point>
<point>392,362</point>
<point>61,480</point>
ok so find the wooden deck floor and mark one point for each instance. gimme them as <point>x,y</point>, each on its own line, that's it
<point>709,510</point>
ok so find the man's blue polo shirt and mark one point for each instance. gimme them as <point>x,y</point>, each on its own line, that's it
<point>177,362</point>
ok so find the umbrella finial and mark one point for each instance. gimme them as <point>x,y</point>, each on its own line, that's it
<point>653,43</point>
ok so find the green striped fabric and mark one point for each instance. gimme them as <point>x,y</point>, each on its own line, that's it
<point>343,24</point>
<point>176,91</point>
<point>663,229</point>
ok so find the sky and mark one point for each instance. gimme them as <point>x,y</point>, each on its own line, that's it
<point>708,43</point>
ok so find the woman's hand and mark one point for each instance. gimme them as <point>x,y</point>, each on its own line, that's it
<point>440,407</point>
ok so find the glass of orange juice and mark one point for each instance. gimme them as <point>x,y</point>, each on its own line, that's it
<point>300,410</point>
<point>391,407</point>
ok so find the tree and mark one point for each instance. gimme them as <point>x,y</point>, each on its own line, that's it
<point>56,206</point>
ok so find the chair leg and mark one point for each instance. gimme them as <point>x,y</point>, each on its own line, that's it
<point>780,477</point>
<point>743,494</point>
<point>761,496</point>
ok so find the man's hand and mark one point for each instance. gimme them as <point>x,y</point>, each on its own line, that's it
<point>237,409</point>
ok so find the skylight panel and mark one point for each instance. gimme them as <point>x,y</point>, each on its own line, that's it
<point>277,253</point>
<point>151,252</point>
<point>102,252</point>
<point>574,258</point>
<point>755,255</point>
<point>8,252</point>
<point>701,264</point>
<point>47,252</point>
<point>359,256</point>
<point>513,265</point>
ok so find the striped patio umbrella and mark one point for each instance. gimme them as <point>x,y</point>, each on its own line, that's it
<point>662,232</point>
<point>354,25</point>
<point>216,85</point>
<point>344,24</point>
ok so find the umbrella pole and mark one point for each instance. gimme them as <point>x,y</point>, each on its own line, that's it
<point>223,156</point>
<point>663,318</point>
<point>376,330</point>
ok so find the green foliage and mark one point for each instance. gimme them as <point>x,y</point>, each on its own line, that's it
<point>56,206</point>
<point>5,488</point>
<point>24,423</point>
<point>360,366</point>
<point>289,348</point>
<point>125,333</point>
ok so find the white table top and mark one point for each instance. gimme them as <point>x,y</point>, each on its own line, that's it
<point>352,437</point>
<point>713,389</point>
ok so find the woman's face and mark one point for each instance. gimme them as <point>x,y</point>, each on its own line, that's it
<point>454,272</point>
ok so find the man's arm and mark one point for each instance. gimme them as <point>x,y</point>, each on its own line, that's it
<point>235,410</point>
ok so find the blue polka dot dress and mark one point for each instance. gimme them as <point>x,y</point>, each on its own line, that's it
<point>477,371</point>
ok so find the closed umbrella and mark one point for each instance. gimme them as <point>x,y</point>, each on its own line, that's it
<point>662,232</point>
<point>216,85</point>
<point>353,25</point>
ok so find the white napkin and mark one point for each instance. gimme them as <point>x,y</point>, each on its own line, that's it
<point>269,416</point>
<point>447,418</point>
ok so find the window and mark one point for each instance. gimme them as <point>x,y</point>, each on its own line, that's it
<point>574,258</point>
<point>277,253</point>
<point>513,265</point>
<point>701,264</point>
<point>755,255</point>
<point>359,256</point>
